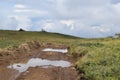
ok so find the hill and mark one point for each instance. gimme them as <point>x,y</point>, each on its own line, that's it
<point>15,38</point>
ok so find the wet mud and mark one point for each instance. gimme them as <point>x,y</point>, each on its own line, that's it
<point>47,64</point>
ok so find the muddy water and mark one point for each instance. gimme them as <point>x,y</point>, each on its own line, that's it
<point>43,63</point>
<point>56,50</point>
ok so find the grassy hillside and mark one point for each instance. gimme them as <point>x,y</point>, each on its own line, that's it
<point>98,59</point>
<point>15,38</point>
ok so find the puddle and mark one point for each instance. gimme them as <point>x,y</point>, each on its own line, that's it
<point>39,62</point>
<point>56,50</point>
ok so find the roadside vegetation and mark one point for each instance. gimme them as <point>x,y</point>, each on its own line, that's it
<point>97,59</point>
<point>101,60</point>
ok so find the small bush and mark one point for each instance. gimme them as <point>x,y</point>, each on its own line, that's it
<point>21,29</point>
<point>43,30</point>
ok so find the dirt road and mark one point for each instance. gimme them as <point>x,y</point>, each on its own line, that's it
<point>38,73</point>
<point>51,73</point>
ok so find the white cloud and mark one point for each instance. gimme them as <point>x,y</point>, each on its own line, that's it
<point>22,10</point>
<point>22,22</point>
<point>95,27</point>
<point>101,28</point>
<point>105,30</point>
<point>19,6</point>
<point>25,9</point>
<point>72,27</point>
<point>8,23</point>
<point>28,10</point>
<point>79,8</point>
<point>48,26</point>
<point>86,18</point>
<point>116,7</point>
<point>67,22</point>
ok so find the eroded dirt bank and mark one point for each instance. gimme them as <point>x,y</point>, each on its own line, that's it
<point>34,50</point>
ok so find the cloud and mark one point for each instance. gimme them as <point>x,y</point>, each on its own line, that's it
<point>104,30</point>
<point>48,26</point>
<point>22,22</point>
<point>86,18</point>
<point>19,6</point>
<point>115,1</point>
<point>8,23</point>
<point>67,22</point>
<point>26,10</point>
<point>79,8</point>
<point>23,10</point>
<point>116,7</point>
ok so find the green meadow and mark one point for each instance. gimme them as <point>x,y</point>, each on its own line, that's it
<point>97,59</point>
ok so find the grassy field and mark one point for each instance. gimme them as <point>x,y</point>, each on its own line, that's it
<point>98,59</point>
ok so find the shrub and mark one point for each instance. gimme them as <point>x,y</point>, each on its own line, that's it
<point>21,29</point>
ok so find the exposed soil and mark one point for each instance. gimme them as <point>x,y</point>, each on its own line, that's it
<point>56,73</point>
<point>34,50</point>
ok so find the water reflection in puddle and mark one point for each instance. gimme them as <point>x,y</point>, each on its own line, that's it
<point>56,50</point>
<point>39,62</point>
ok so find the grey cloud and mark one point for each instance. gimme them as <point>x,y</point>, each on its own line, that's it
<point>115,1</point>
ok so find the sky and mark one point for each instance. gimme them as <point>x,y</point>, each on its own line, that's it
<point>82,18</point>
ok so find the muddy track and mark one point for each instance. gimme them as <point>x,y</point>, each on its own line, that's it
<point>52,73</point>
<point>40,73</point>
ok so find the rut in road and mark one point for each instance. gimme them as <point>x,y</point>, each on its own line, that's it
<point>51,72</point>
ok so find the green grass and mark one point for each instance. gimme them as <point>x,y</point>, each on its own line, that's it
<point>102,61</point>
<point>99,59</point>
<point>15,38</point>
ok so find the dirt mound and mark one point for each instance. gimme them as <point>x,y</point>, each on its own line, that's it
<point>28,46</point>
<point>8,56</point>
